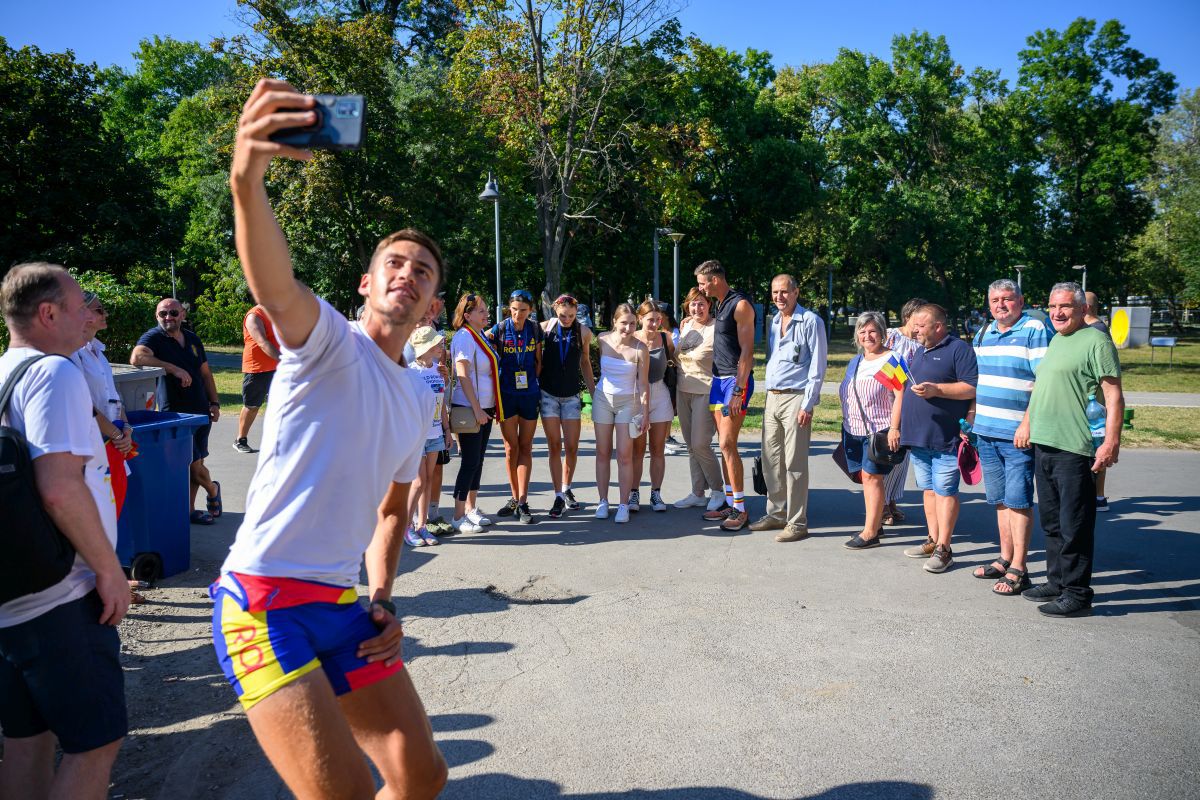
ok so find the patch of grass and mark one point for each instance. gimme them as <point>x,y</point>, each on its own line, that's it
<point>1172,428</point>
<point>229,389</point>
<point>1139,375</point>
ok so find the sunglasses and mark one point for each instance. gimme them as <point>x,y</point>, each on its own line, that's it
<point>100,310</point>
<point>174,312</point>
<point>521,294</point>
<point>566,299</point>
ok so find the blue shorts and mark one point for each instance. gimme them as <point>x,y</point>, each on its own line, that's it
<point>269,632</point>
<point>524,405</point>
<point>562,407</point>
<point>1007,472</point>
<point>435,444</point>
<point>59,672</point>
<point>935,470</point>
<point>721,393</point>
<point>856,455</point>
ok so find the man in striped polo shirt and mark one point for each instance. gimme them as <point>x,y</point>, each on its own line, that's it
<point>1007,351</point>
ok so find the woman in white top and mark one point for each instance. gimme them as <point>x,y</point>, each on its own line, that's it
<point>98,372</point>
<point>869,407</point>
<point>621,404</point>
<point>652,332</point>
<point>475,369</point>
<point>695,357</point>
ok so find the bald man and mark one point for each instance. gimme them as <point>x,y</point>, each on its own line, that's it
<point>1091,316</point>
<point>188,388</point>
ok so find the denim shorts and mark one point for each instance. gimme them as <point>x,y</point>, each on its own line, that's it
<point>857,458</point>
<point>562,407</point>
<point>1007,472</point>
<point>435,444</point>
<point>936,470</point>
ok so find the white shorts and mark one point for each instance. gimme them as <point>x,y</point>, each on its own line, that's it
<point>661,409</point>
<point>609,409</point>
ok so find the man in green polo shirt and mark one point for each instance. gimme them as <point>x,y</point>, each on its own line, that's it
<point>1079,362</point>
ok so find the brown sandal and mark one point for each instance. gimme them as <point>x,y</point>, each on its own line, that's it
<point>1017,584</point>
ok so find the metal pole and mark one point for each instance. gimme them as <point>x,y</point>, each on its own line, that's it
<point>829,324</point>
<point>656,263</point>
<point>499,296</point>
<point>173,295</point>
<point>675,289</point>
<point>1085,280</point>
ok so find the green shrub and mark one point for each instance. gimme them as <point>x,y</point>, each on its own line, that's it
<point>130,312</point>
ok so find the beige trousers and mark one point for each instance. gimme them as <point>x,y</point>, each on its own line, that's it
<point>785,459</point>
<point>696,422</point>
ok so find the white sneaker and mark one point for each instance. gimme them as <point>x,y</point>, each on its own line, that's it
<point>691,501</point>
<point>622,514</point>
<point>477,518</point>
<point>602,510</point>
<point>464,525</point>
<point>656,501</point>
<point>715,501</point>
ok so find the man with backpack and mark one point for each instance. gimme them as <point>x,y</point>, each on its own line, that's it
<point>60,678</point>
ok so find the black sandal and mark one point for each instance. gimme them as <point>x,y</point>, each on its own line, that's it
<point>990,573</point>
<point>1017,584</point>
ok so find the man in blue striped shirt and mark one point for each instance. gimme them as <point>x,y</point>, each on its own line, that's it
<point>1007,351</point>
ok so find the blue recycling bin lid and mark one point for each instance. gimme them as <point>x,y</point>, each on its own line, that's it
<point>158,420</point>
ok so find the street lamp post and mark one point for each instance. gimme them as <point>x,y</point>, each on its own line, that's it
<point>1083,269</point>
<point>491,194</point>
<point>1019,268</point>
<point>829,331</point>
<point>657,233</point>
<point>675,237</point>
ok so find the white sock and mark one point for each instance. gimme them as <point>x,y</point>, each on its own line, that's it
<point>728,494</point>
<point>739,502</point>
<point>561,495</point>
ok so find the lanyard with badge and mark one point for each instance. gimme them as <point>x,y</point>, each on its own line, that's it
<point>520,377</point>
<point>564,346</point>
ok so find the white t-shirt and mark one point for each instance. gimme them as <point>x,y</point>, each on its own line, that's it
<point>463,347</point>
<point>436,385</point>
<point>99,376</point>
<point>339,430</point>
<point>53,411</point>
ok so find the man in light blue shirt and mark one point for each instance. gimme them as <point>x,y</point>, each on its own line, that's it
<point>1008,352</point>
<point>796,360</point>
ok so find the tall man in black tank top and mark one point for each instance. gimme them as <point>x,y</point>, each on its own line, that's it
<point>733,383</point>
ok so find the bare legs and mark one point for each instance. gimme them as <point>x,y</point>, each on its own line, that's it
<point>562,442</point>
<point>604,451</point>
<point>873,499</point>
<point>941,514</point>
<point>658,459</point>
<point>518,454</point>
<point>200,477</point>
<point>27,770</point>
<point>246,418</point>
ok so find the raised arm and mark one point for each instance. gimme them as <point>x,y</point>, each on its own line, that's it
<point>261,246</point>
<point>258,332</point>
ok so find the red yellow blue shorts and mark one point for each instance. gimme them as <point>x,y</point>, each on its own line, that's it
<point>721,393</point>
<point>269,632</point>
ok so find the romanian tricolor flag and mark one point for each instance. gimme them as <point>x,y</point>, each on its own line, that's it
<point>894,373</point>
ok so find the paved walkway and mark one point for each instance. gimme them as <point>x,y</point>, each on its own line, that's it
<point>665,659</point>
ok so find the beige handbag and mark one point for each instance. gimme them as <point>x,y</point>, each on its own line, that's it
<point>462,418</point>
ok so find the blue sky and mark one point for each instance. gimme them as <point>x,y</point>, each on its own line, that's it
<point>795,31</point>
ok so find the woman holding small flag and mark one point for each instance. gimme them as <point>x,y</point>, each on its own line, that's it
<point>871,394</point>
<point>476,386</point>
<point>901,342</point>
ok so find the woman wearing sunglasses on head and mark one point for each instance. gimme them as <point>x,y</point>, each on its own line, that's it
<point>652,333</point>
<point>566,357</point>
<point>620,407</point>
<point>519,342</point>
<point>476,366</point>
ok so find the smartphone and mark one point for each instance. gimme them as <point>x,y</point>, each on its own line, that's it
<point>341,122</point>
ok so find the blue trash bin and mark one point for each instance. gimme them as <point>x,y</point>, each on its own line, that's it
<point>154,532</point>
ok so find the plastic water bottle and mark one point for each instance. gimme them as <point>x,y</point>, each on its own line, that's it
<point>1097,416</point>
<point>967,428</point>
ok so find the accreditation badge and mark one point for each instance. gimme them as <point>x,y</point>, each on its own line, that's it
<point>522,380</point>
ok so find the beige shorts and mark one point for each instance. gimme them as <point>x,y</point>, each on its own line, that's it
<point>609,409</point>
<point>661,409</point>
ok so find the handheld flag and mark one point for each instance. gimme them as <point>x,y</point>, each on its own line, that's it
<point>894,373</point>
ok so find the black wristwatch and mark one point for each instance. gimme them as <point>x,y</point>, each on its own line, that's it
<point>387,606</point>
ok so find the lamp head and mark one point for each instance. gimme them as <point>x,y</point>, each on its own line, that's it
<point>491,192</point>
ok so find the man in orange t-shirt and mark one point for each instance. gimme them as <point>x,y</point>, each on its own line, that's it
<point>260,356</point>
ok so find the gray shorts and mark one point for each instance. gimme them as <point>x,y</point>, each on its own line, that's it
<point>562,407</point>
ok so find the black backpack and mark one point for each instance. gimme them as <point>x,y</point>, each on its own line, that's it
<point>36,555</point>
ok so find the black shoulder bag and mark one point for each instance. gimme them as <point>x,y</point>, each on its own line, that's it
<point>36,555</point>
<point>877,441</point>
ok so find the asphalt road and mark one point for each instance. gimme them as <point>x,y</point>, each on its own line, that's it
<point>665,659</point>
